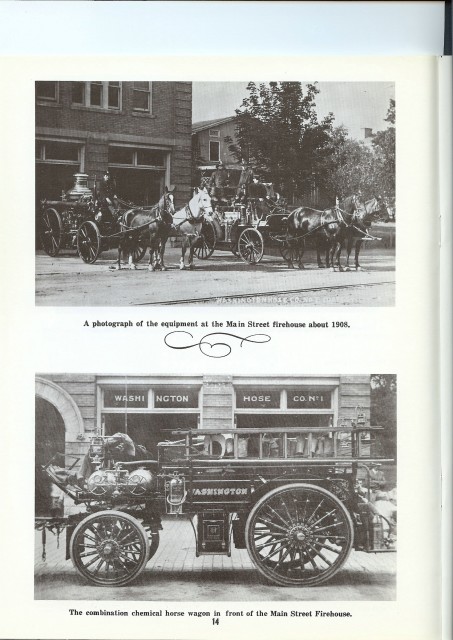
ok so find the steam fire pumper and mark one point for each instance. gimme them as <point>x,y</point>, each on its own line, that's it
<point>294,501</point>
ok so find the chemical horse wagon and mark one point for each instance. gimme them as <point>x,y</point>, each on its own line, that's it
<point>292,498</point>
<point>247,230</point>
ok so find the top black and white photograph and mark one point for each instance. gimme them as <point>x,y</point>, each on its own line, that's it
<point>258,193</point>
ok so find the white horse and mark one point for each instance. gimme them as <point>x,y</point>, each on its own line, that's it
<point>188,220</point>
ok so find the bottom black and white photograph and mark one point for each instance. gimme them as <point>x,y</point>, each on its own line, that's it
<point>215,487</point>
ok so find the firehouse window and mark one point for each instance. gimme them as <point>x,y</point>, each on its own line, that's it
<point>46,91</point>
<point>105,95</point>
<point>141,96</point>
<point>136,157</point>
<point>214,133</point>
<point>78,92</point>
<point>149,157</point>
<point>214,151</point>
<point>121,155</point>
<point>257,398</point>
<point>57,151</point>
<point>114,95</point>
<point>96,94</point>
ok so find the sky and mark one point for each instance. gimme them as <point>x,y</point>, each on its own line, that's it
<point>356,105</point>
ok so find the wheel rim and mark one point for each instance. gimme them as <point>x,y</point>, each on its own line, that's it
<point>299,535</point>
<point>109,548</point>
<point>251,246</point>
<point>289,252</point>
<point>51,232</point>
<point>207,241</point>
<point>88,242</point>
<point>138,253</point>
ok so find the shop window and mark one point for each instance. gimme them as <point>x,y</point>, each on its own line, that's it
<point>141,96</point>
<point>47,91</point>
<point>214,151</point>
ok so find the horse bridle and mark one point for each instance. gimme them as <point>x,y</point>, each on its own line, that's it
<point>341,213</point>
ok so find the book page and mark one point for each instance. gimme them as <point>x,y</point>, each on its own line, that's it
<point>234,344</point>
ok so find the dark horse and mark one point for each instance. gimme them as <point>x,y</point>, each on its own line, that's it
<point>323,226</point>
<point>371,211</point>
<point>149,227</point>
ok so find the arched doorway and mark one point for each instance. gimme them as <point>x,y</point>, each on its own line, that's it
<point>58,423</point>
<point>49,440</point>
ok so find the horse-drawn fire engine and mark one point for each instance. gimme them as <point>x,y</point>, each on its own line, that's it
<point>297,500</point>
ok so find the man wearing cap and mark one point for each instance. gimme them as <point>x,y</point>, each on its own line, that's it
<point>219,180</point>
<point>245,179</point>
<point>258,193</point>
<point>107,196</point>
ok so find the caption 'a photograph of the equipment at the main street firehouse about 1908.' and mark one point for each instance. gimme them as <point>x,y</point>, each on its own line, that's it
<point>225,487</point>
<point>253,193</point>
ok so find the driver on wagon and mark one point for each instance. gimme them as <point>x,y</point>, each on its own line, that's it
<point>107,196</point>
<point>258,192</point>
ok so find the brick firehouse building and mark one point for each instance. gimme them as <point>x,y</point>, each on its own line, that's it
<point>140,131</point>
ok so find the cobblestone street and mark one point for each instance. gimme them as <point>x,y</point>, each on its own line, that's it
<point>176,574</point>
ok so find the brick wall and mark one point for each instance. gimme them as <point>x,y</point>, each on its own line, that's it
<point>169,125</point>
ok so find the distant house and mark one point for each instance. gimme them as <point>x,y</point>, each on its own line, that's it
<point>209,147</point>
<point>368,136</point>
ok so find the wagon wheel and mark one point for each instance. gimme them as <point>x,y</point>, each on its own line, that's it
<point>138,252</point>
<point>289,251</point>
<point>89,241</point>
<point>206,243</point>
<point>299,535</point>
<point>109,548</point>
<point>251,245</point>
<point>51,231</point>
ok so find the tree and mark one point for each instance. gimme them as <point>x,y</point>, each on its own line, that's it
<point>384,144</point>
<point>277,130</point>
<point>349,167</point>
<point>383,410</point>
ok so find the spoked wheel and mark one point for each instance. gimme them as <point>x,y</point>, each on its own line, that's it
<point>51,231</point>
<point>206,244</point>
<point>138,252</point>
<point>109,548</point>
<point>289,252</point>
<point>299,535</point>
<point>89,241</point>
<point>251,246</point>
